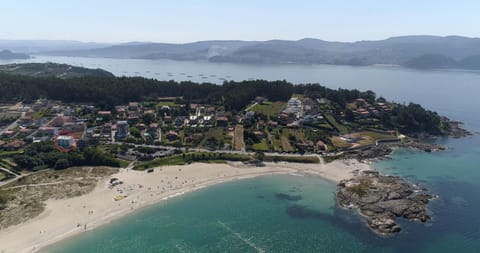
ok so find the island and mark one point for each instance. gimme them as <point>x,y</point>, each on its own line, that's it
<point>132,137</point>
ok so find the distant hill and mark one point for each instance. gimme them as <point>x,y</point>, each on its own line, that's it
<point>405,50</point>
<point>9,55</point>
<point>51,69</point>
<point>434,61</point>
<point>37,46</point>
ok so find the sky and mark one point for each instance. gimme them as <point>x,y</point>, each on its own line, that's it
<point>193,20</point>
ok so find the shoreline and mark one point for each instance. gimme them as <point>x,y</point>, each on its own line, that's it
<point>65,218</point>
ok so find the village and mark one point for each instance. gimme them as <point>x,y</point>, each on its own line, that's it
<point>151,129</point>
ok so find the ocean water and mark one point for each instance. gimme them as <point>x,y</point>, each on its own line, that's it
<point>250,216</point>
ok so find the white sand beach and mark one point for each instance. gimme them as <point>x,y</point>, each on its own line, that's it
<point>67,217</point>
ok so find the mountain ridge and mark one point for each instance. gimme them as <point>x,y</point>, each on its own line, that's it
<point>400,50</point>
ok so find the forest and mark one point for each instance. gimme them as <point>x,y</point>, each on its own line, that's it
<point>107,92</point>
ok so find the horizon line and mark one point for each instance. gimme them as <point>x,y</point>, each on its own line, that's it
<point>243,40</point>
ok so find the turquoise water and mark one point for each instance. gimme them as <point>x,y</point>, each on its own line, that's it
<point>247,216</point>
<point>242,216</point>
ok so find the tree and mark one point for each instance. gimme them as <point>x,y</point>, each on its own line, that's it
<point>62,164</point>
<point>260,156</point>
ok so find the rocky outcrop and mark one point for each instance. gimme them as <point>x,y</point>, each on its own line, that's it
<point>382,199</point>
<point>385,149</point>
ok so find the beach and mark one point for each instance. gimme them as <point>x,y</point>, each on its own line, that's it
<point>63,218</point>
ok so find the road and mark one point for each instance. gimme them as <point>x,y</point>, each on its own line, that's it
<point>213,151</point>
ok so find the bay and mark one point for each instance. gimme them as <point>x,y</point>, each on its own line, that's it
<point>246,216</point>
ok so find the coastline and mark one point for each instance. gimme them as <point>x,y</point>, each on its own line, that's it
<point>65,218</point>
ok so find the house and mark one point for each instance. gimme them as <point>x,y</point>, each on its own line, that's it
<point>121,112</point>
<point>167,119</point>
<point>8,133</point>
<point>74,127</point>
<point>222,120</point>
<point>133,106</point>
<point>172,135</point>
<point>132,119</point>
<point>272,123</point>
<point>259,134</point>
<point>60,121</point>
<point>65,141</point>
<point>122,130</point>
<point>27,118</point>
<point>104,115</point>
<point>107,128</point>
<point>321,146</point>
<point>180,121</point>
<point>211,110</point>
<point>360,101</point>
<point>153,126</point>
<point>47,131</point>
<point>260,100</point>
<point>14,145</point>
<point>193,107</point>
<point>207,120</point>
<point>285,118</point>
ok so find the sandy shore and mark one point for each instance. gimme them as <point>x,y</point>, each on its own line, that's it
<point>68,217</point>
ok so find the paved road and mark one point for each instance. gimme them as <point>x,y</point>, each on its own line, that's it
<point>218,151</point>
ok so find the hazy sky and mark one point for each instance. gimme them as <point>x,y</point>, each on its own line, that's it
<point>193,20</point>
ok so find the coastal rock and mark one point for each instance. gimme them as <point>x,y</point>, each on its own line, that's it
<point>382,199</point>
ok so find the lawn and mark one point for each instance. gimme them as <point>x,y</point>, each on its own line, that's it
<point>340,143</point>
<point>182,159</point>
<point>293,159</point>
<point>217,133</point>
<point>370,137</point>
<point>340,128</point>
<point>166,103</point>
<point>261,146</point>
<point>10,153</point>
<point>276,142</point>
<point>270,109</point>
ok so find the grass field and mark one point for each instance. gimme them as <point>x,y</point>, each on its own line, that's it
<point>276,142</point>
<point>182,159</point>
<point>270,109</point>
<point>340,128</point>
<point>261,146</point>
<point>166,103</point>
<point>340,143</point>
<point>10,153</point>
<point>217,133</point>
<point>293,159</point>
